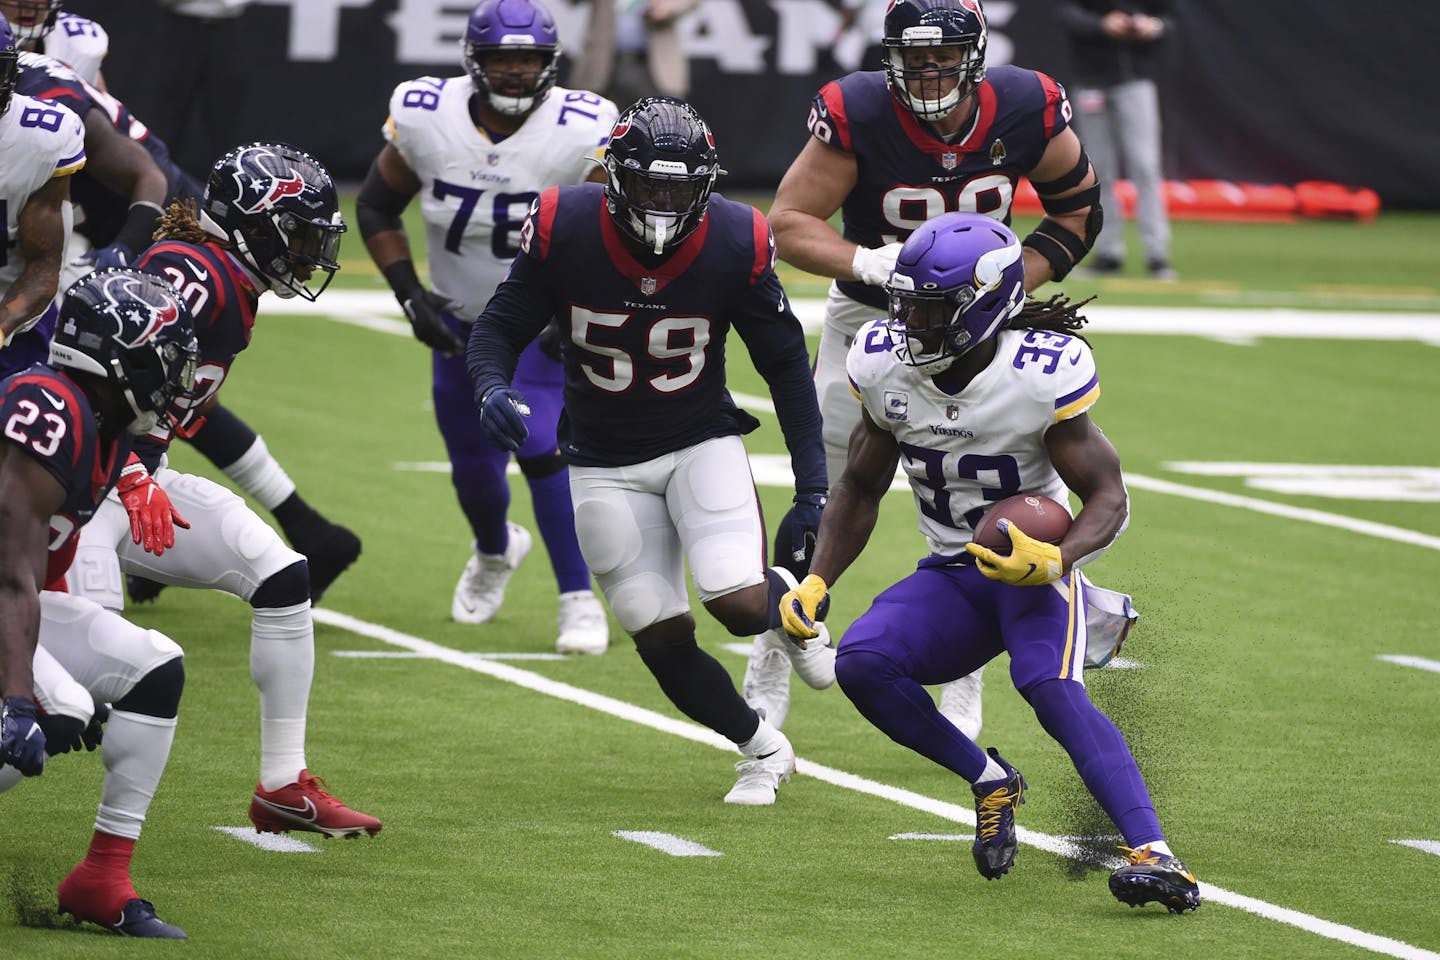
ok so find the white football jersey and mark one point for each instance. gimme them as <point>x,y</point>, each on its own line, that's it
<point>474,192</point>
<point>964,452</point>
<point>39,140</point>
<point>79,43</point>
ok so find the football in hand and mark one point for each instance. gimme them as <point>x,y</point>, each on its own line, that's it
<point>1039,517</point>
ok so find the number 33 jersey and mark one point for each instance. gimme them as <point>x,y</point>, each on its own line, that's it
<point>985,443</point>
<point>475,191</point>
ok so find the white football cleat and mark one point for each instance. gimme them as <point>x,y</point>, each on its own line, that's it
<point>582,622</point>
<point>816,662</point>
<point>760,777</point>
<point>481,589</point>
<point>960,703</point>
<point>767,676</point>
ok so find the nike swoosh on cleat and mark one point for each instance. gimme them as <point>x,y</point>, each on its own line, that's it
<point>307,812</point>
<point>767,756</point>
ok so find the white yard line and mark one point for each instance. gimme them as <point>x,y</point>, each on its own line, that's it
<point>269,842</point>
<point>667,843</point>
<point>1428,846</point>
<point>949,811</point>
<point>1419,663</point>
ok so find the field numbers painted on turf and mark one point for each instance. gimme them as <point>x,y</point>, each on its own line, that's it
<point>667,843</point>
<point>1339,481</point>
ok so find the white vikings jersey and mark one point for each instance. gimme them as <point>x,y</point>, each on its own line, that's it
<point>475,192</point>
<point>78,43</point>
<point>39,140</point>
<point>964,452</point>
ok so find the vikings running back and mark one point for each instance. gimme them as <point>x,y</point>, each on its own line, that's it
<point>42,145</point>
<point>646,276</point>
<point>981,394</point>
<point>269,220</point>
<point>477,150</point>
<point>936,131</point>
<point>123,351</point>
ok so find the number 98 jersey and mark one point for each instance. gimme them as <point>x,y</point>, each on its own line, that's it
<point>985,443</point>
<point>475,191</point>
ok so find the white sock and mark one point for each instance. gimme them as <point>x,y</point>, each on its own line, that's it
<point>993,771</point>
<point>1159,846</point>
<point>261,475</point>
<point>9,776</point>
<point>135,750</point>
<point>282,664</point>
<point>765,741</point>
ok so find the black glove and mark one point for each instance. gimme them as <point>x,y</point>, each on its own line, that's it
<point>22,742</point>
<point>95,729</point>
<point>424,307</point>
<point>805,525</point>
<point>551,340</point>
<point>502,414</point>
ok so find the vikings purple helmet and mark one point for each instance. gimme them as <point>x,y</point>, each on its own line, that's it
<point>498,26</point>
<point>9,64</point>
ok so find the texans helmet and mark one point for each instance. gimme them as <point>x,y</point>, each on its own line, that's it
<point>40,15</point>
<point>925,24</point>
<point>132,329</point>
<point>660,167</point>
<point>277,207</point>
<point>958,278</point>
<point>502,26</point>
<point>9,64</point>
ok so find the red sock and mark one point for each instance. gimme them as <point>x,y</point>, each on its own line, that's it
<point>99,886</point>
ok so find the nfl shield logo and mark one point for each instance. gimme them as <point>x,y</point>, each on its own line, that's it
<point>492,158</point>
<point>952,411</point>
<point>647,285</point>
<point>949,160</point>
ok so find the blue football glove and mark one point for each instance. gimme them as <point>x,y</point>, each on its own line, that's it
<point>805,525</point>
<point>115,255</point>
<point>22,742</point>
<point>502,414</point>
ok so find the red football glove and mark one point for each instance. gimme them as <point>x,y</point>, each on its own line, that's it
<point>152,517</point>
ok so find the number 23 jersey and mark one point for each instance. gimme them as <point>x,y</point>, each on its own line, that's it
<point>475,191</point>
<point>985,443</point>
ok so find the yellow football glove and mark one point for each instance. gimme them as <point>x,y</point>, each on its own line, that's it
<point>802,607</point>
<point>1031,562</point>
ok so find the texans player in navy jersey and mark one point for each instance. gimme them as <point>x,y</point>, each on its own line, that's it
<point>124,350</point>
<point>646,276</point>
<point>269,220</point>
<point>936,131</point>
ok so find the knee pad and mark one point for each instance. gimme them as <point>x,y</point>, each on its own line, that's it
<point>287,588</point>
<point>158,692</point>
<point>538,468</point>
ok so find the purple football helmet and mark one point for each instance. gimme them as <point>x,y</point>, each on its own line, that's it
<point>9,64</point>
<point>957,280</point>
<point>911,24</point>
<point>501,26</point>
<point>41,15</point>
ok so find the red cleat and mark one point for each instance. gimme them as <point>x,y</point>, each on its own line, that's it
<point>89,894</point>
<point>306,805</point>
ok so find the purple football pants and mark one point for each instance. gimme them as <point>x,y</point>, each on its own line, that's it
<point>477,466</point>
<point>30,347</point>
<point>943,622</point>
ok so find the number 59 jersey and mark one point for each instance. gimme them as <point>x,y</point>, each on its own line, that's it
<point>962,453</point>
<point>39,141</point>
<point>475,191</point>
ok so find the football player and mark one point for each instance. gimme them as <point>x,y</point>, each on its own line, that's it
<point>269,220</point>
<point>223,438</point>
<point>478,149</point>
<point>124,349</point>
<point>645,276</point>
<point>986,394</point>
<point>935,132</point>
<point>43,145</point>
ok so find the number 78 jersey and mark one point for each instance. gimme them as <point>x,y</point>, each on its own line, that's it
<point>962,453</point>
<point>474,191</point>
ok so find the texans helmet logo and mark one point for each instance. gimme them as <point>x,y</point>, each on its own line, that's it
<point>261,189</point>
<point>974,7</point>
<point>130,290</point>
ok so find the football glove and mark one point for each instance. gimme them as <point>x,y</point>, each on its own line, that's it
<point>803,607</point>
<point>874,265</point>
<point>805,525</point>
<point>423,308</point>
<point>22,742</point>
<point>115,255</point>
<point>1031,562</point>
<point>153,517</point>
<point>502,414</point>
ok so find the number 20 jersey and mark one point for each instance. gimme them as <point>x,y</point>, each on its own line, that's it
<point>907,175</point>
<point>475,191</point>
<point>964,452</point>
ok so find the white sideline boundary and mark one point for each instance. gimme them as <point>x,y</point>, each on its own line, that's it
<point>848,781</point>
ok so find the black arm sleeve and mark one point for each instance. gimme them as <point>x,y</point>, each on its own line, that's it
<point>378,206</point>
<point>514,316</point>
<point>777,347</point>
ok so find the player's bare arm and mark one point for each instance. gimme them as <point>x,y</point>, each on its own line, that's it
<point>121,164</point>
<point>1070,193</point>
<point>42,239</point>
<point>1090,467</point>
<point>388,189</point>
<point>854,505</point>
<point>28,498</point>
<point>814,187</point>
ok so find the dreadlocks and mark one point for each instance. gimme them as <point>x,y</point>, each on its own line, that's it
<point>180,222</point>
<point>1056,315</point>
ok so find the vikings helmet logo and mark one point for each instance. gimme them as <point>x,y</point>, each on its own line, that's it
<point>259,187</point>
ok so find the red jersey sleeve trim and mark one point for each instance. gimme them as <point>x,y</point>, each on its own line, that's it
<point>834,99</point>
<point>1052,100</point>
<point>764,248</point>
<point>545,219</point>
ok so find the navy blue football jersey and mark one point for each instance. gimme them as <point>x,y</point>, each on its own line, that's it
<point>104,211</point>
<point>222,300</point>
<point>644,344</point>
<point>907,175</point>
<point>48,416</point>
